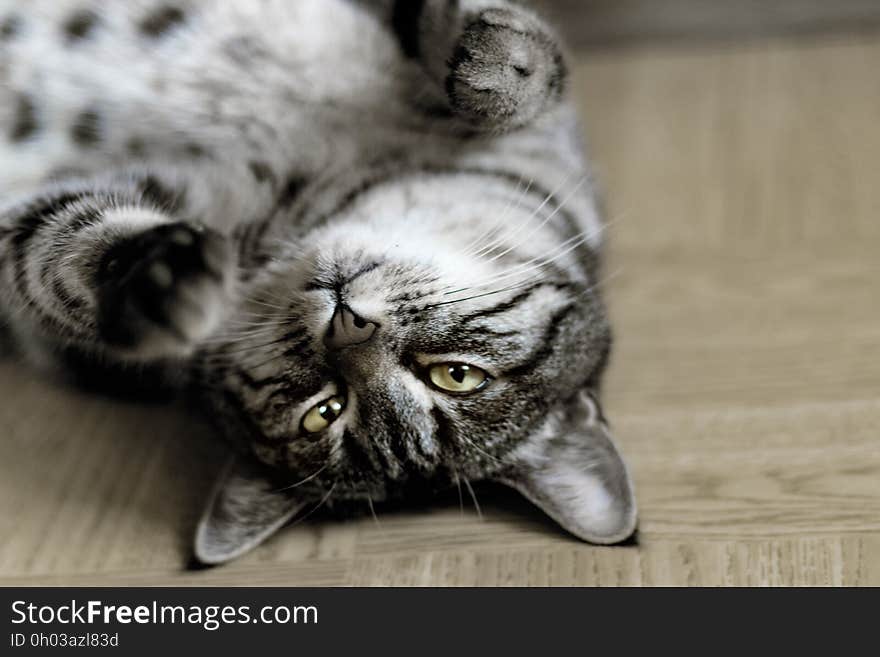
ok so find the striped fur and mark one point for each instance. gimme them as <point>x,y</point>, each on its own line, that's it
<point>200,186</point>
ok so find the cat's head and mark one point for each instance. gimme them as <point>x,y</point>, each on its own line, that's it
<point>431,332</point>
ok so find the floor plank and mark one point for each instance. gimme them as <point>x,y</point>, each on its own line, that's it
<point>600,23</point>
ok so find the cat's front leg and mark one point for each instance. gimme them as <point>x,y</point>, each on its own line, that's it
<point>111,268</point>
<point>499,65</point>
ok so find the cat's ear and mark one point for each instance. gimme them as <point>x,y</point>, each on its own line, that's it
<point>247,506</point>
<point>575,474</point>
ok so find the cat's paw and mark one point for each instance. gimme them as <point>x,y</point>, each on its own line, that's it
<point>505,71</point>
<point>164,290</point>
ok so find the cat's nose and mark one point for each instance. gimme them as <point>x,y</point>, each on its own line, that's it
<point>347,329</point>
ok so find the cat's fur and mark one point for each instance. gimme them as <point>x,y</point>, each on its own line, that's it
<point>191,189</point>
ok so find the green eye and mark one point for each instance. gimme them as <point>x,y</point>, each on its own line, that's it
<point>320,416</point>
<point>458,377</point>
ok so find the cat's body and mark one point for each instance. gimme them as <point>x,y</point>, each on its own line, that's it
<point>385,188</point>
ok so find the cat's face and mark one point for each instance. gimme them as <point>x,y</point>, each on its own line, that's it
<point>425,346</point>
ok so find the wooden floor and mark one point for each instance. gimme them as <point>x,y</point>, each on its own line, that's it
<point>744,189</point>
<point>600,23</point>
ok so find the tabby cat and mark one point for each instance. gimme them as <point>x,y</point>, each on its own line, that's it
<point>362,232</point>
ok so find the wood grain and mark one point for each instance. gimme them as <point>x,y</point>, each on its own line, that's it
<point>599,23</point>
<point>743,190</point>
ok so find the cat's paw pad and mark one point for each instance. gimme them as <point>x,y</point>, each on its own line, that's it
<point>164,290</point>
<point>505,71</point>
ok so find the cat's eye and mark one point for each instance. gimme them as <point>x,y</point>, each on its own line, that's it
<point>322,415</point>
<point>457,378</point>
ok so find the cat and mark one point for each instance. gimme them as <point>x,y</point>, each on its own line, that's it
<point>362,233</point>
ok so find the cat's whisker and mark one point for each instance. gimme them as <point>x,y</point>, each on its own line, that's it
<point>238,336</point>
<point>246,323</point>
<point>473,495</point>
<point>460,497</point>
<point>223,355</point>
<point>317,506</point>
<point>499,240</point>
<point>248,318</point>
<point>526,268</point>
<point>535,213</point>
<point>373,511</point>
<point>547,220</point>
<point>276,307</point>
<point>251,347</point>
<point>602,281</point>
<point>281,304</point>
<point>538,262</point>
<point>477,296</point>
<point>263,363</point>
<point>220,350</point>
<point>303,481</point>
<point>483,240</point>
<point>579,239</point>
